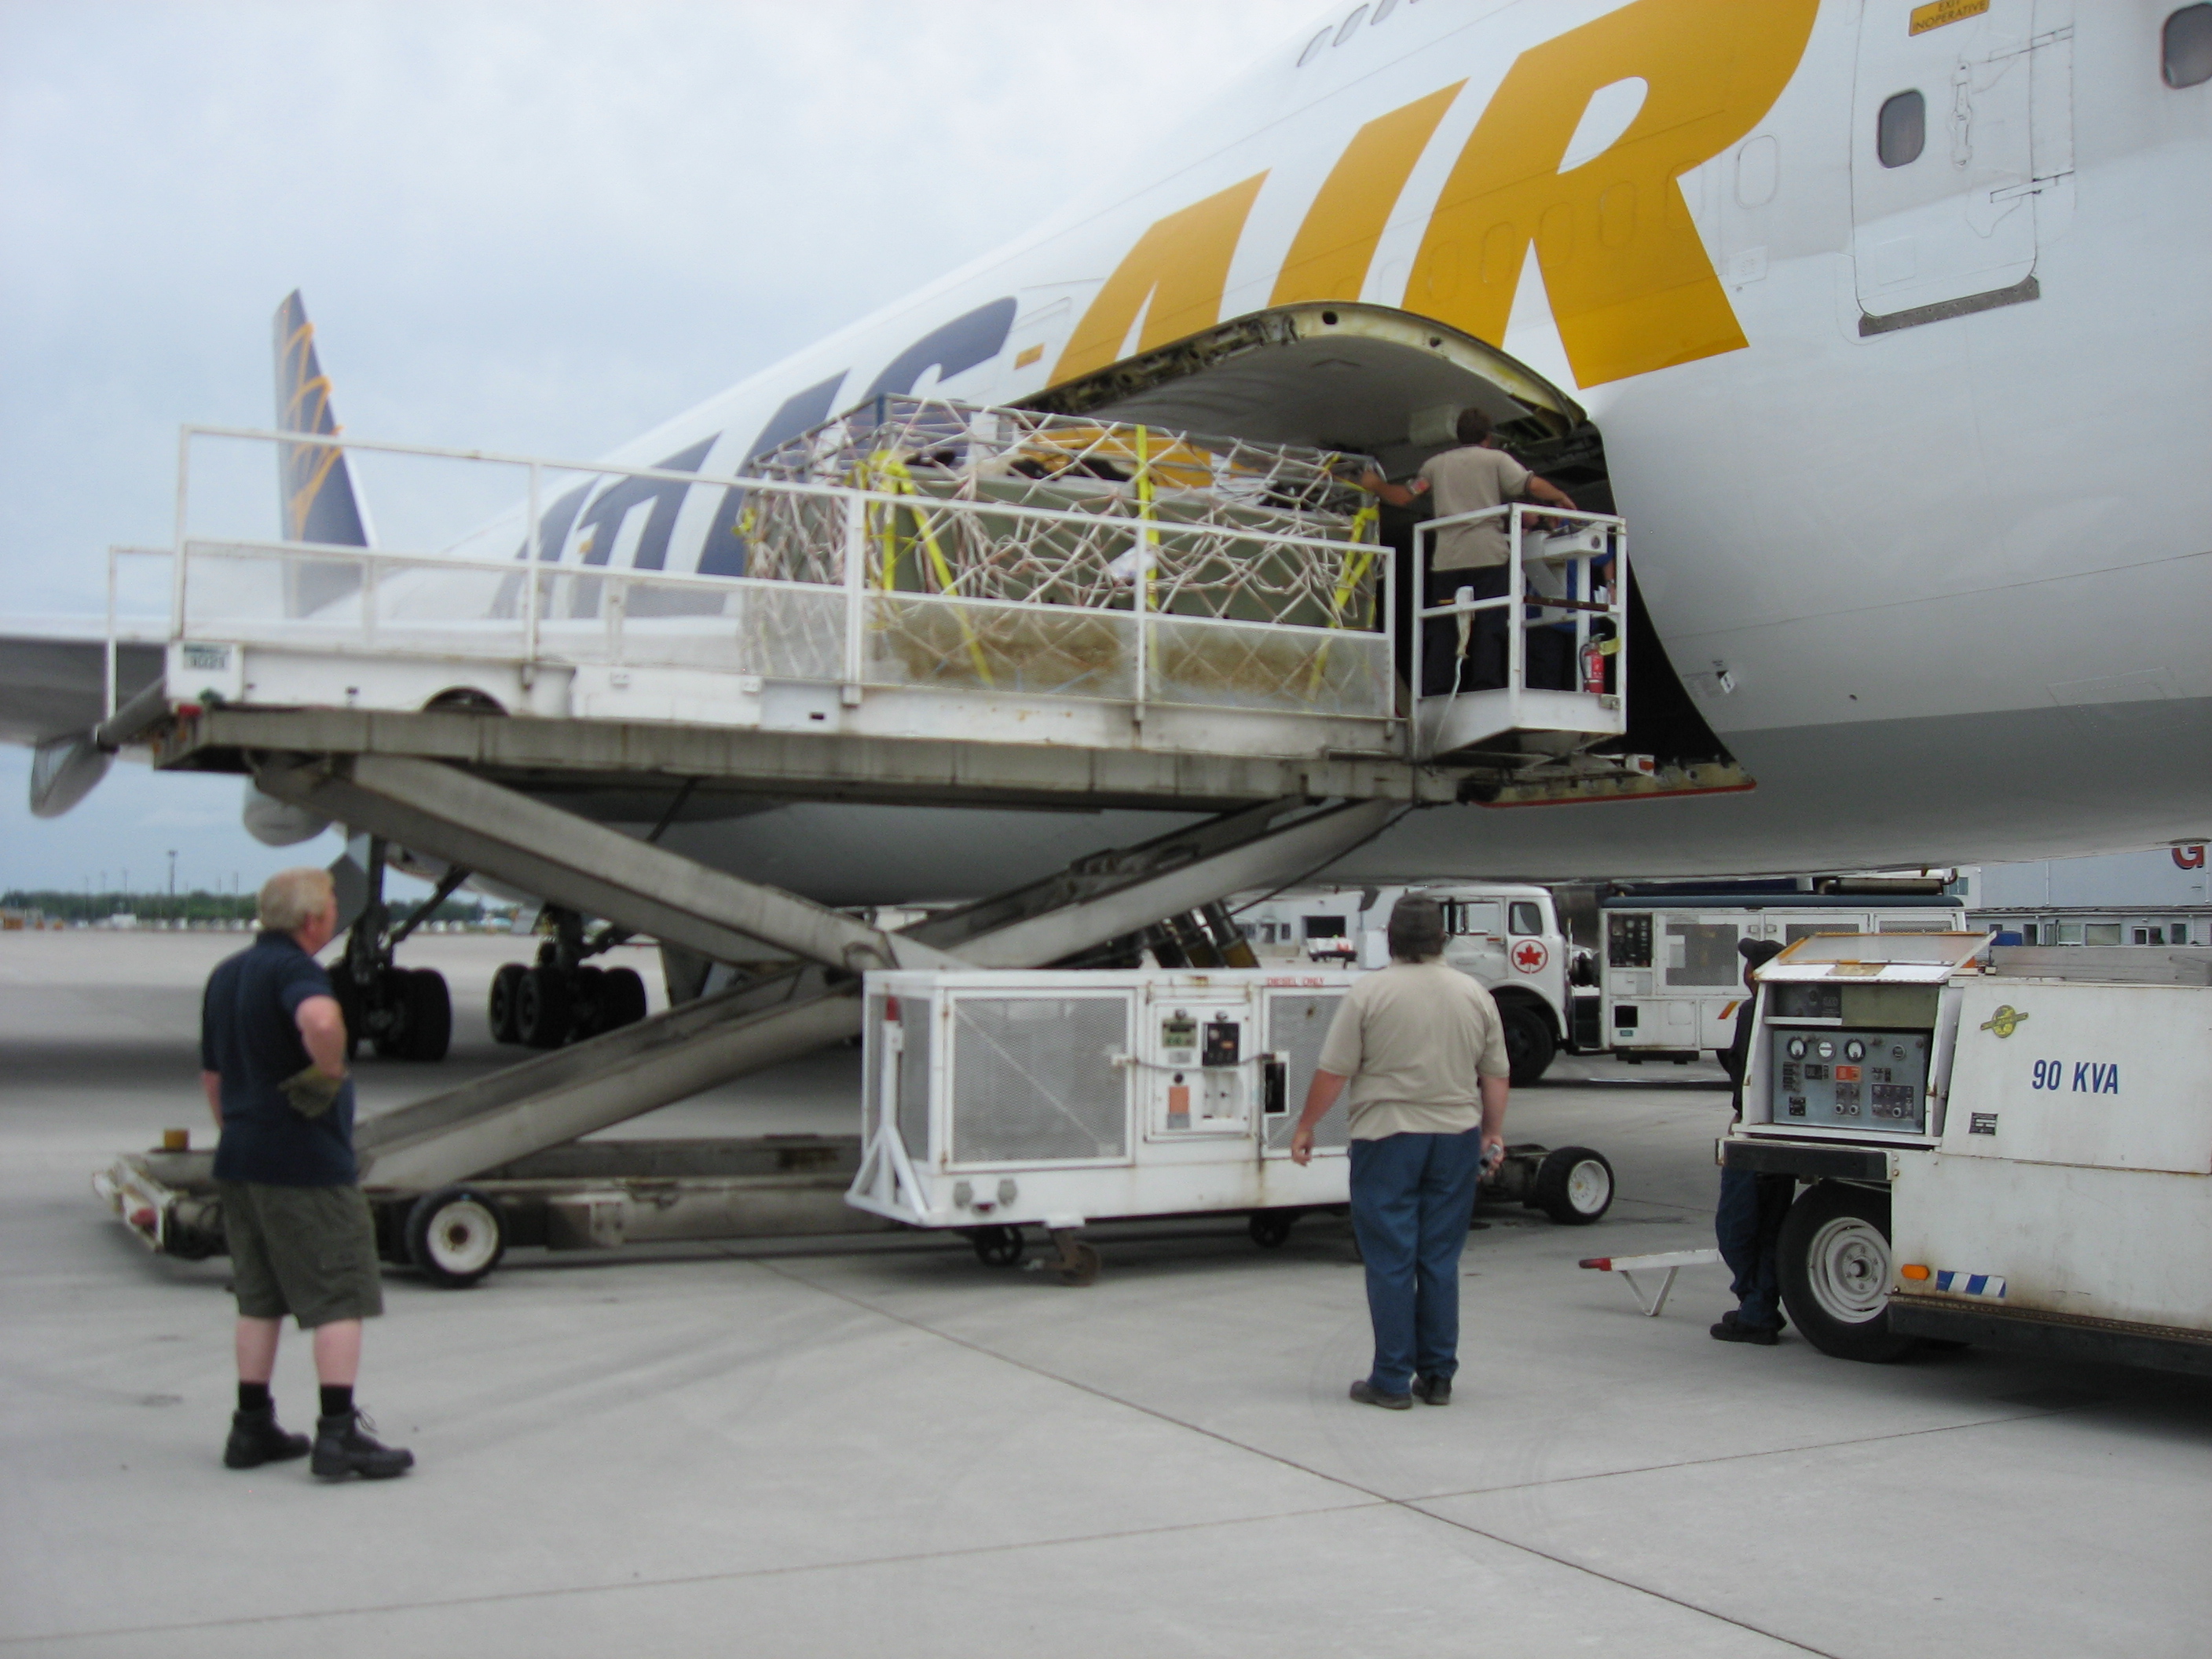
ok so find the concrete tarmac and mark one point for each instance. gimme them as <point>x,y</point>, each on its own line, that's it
<point>823,1446</point>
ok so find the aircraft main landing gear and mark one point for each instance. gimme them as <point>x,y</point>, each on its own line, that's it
<point>563,998</point>
<point>403,1013</point>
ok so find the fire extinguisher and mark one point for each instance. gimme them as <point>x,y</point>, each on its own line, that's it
<point>1593,667</point>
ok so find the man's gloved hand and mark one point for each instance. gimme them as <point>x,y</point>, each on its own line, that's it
<point>312,1091</point>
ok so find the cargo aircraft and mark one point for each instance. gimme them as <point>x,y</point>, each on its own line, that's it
<point>1885,325</point>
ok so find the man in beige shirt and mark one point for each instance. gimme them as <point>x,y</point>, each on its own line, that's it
<point>1424,1050</point>
<point>1471,478</point>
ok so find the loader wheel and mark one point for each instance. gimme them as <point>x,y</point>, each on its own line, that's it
<point>455,1236</point>
<point>1529,1047</point>
<point>503,1009</point>
<point>1835,1272</point>
<point>1573,1185</point>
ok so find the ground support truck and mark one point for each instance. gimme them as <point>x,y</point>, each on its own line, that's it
<point>1506,936</point>
<point>2009,1146</point>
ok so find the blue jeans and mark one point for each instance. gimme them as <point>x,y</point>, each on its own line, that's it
<point>1749,1228</point>
<point>1413,1198</point>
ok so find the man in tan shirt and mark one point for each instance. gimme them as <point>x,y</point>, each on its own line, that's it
<point>1471,478</point>
<point>1424,1050</point>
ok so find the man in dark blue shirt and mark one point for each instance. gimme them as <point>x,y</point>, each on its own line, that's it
<point>302,1242</point>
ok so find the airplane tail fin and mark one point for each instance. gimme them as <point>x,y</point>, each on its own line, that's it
<point>316,493</point>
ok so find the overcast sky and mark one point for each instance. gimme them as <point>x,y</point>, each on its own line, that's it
<point>536,228</point>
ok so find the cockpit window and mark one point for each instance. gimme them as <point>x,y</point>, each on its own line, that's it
<point>1359,15</point>
<point>1901,130</point>
<point>2188,42</point>
<point>1313,47</point>
<point>1384,10</point>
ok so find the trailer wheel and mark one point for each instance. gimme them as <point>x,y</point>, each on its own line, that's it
<point>1835,1272</point>
<point>503,1010</point>
<point>455,1236</point>
<point>1270,1229</point>
<point>1530,1045</point>
<point>997,1246</point>
<point>1573,1185</point>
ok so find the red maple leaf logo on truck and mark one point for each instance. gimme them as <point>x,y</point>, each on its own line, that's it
<point>1529,956</point>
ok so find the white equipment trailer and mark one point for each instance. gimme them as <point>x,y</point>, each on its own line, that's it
<point>996,1101</point>
<point>2010,1145</point>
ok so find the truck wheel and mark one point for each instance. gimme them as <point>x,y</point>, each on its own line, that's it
<point>1529,1044</point>
<point>542,1008</point>
<point>428,1032</point>
<point>1574,1186</point>
<point>1835,1272</point>
<point>1270,1229</point>
<point>503,1010</point>
<point>455,1236</point>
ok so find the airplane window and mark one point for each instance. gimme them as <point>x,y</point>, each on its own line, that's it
<point>2188,39</point>
<point>1383,11</point>
<point>1350,24</point>
<point>1313,47</point>
<point>1901,130</point>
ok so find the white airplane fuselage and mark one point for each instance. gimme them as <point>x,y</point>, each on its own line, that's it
<point>1913,456</point>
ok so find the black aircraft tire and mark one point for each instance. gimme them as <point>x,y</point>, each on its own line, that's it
<point>587,1002</point>
<point>542,1008</point>
<point>1530,1045</point>
<point>622,1000</point>
<point>1835,1271</point>
<point>456,1236</point>
<point>428,1031</point>
<point>1574,1186</point>
<point>502,1011</point>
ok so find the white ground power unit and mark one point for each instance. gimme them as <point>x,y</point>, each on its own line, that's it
<point>997,1100</point>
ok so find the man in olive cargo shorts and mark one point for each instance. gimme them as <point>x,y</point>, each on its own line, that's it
<point>273,1064</point>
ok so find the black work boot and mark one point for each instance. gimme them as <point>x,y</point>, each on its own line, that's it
<point>1432,1390</point>
<point>343,1447</point>
<point>255,1439</point>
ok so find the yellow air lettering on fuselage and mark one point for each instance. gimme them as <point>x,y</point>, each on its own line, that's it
<point>1631,289</point>
<point>1179,265</point>
<point>1329,257</point>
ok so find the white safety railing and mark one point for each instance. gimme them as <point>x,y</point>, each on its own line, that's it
<point>1241,607</point>
<point>1560,602</point>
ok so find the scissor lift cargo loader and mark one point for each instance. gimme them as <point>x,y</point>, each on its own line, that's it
<point>942,605</point>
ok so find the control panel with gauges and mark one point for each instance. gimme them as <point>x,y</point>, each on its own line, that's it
<point>1840,1079</point>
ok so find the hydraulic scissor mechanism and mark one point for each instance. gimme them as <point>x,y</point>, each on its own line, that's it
<point>443,812</point>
